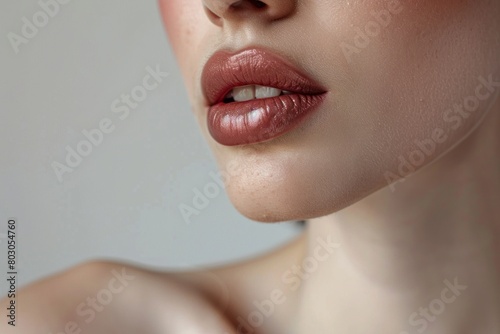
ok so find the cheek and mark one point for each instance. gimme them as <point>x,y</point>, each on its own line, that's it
<point>419,75</point>
<point>184,22</point>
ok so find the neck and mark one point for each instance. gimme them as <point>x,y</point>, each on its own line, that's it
<point>402,246</point>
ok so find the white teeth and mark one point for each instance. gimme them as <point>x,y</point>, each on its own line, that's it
<point>262,92</point>
<point>247,93</point>
<point>241,94</point>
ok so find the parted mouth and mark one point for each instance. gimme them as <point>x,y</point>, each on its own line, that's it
<point>253,92</point>
<point>255,96</point>
<point>252,74</point>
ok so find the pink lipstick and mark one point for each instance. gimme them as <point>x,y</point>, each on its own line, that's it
<point>255,96</point>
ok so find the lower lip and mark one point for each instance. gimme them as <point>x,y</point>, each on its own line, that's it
<point>255,121</point>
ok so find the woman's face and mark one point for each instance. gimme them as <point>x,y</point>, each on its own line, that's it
<point>402,82</point>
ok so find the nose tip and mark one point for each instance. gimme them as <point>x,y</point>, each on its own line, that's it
<point>220,11</point>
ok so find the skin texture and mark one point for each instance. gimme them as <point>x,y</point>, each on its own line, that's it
<point>375,257</point>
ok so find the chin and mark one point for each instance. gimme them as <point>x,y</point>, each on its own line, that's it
<point>280,185</point>
<point>294,201</point>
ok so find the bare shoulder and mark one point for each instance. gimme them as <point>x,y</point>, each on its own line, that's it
<point>45,304</point>
<point>105,296</point>
<point>102,296</point>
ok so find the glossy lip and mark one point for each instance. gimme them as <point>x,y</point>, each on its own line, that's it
<point>258,120</point>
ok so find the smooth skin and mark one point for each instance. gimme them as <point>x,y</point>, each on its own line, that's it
<point>390,246</point>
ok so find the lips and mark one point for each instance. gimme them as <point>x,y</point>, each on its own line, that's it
<point>255,96</point>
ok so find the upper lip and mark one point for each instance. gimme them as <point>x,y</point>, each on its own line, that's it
<point>224,71</point>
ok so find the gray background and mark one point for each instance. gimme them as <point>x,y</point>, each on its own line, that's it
<point>123,201</point>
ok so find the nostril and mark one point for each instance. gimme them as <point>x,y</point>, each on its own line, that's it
<point>248,3</point>
<point>258,4</point>
<point>220,11</point>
